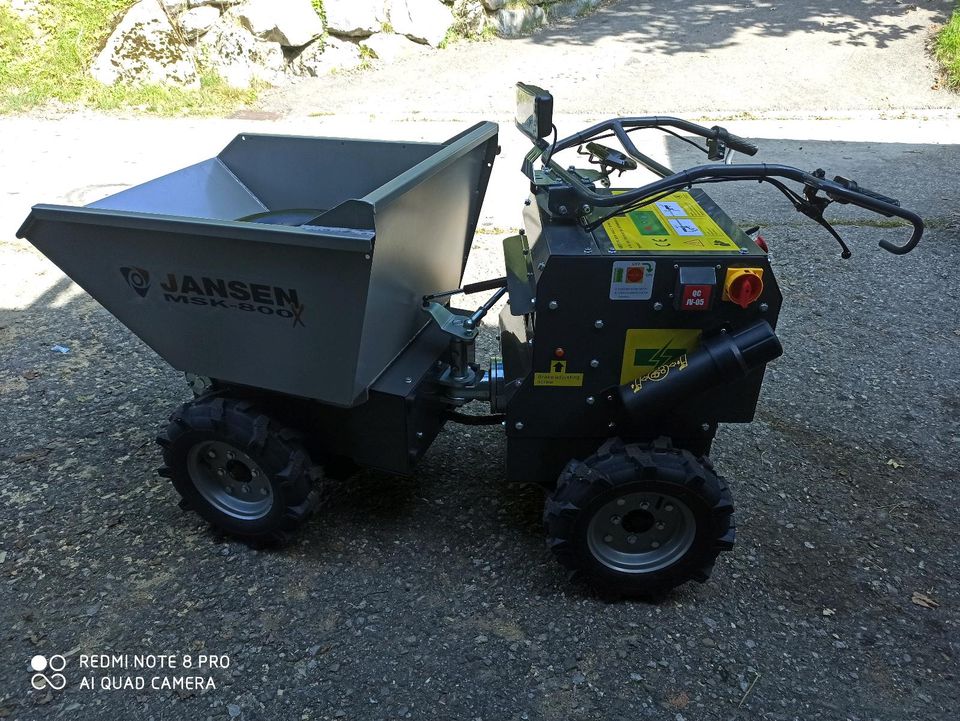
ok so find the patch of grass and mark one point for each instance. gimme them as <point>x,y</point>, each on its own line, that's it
<point>367,57</point>
<point>453,35</point>
<point>489,33</point>
<point>46,57</point>
<point>947,50</point>
<point>213,97</point>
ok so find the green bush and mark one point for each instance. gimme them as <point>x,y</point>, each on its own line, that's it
<point>948,50</point>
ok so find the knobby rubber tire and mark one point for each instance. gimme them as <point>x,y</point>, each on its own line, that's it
<point>277,450</point>
<point>618,468</point>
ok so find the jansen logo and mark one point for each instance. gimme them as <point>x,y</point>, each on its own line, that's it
<point>138,279</point>
<point>261,299</point>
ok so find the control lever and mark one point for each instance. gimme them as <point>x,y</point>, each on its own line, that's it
<point>609,158</point>
<point>813,208</point>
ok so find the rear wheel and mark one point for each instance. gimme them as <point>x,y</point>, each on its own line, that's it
<point>638,520</point>
<point>239,469</point>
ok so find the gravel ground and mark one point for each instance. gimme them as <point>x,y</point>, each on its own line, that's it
<point>434,597</point>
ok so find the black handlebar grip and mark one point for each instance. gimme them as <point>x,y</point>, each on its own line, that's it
<point>855,187</point>
<point>734,142</point>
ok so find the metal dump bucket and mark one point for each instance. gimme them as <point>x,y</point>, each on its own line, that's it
<point>293,264</point>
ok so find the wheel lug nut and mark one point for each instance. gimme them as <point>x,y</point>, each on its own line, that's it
<point>246,489</point>
<point>228,489</point>
<point>668,507</point>
<point>631,539</point>
<point>644,505</point>
<point>211,453</point>
<point>615,520</point>
<point>263,491</point>
<point>221,472</point>
<point>655,544</point>
<point>230,454</point>
<point>608,539</point>
<point>621,502</point>
<point>661,526</point>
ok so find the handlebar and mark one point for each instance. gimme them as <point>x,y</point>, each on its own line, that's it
<point>619,126</point>
<point>719,140</point>
<point>841,189</point>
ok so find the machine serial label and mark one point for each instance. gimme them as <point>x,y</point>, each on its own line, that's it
<point>632,280</point>
<point>676,223</point>
<point>647,349</point>
<point>558,376</point>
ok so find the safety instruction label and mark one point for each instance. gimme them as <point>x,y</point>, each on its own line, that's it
<point>646,349</point>
<point>557,376</point>
<point>632,279</point>
<point>675,223</point>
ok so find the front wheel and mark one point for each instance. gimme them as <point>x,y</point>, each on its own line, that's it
<point>638,520</point>
<point>240,469</point>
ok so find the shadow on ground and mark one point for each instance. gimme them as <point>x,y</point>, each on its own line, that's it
<point>698,25</point>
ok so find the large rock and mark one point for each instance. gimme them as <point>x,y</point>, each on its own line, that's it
<point>289,22</point>
<point>173,7</point>
<point>389,48</point>
<point>145,49</point>
<point>494,4</point>
<point>471,20</point>
<point>569,8</point>
<point>510,22</point>
<point>424,21</point>
<point>522,19</point>
<point>219,3</point>
<point>240,58</point>
<point>195,22</point>
<point>354,18</point>
<point>321,58</point>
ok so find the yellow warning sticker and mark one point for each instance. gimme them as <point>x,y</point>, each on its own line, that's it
<point>676,222</point>
<point>558,376</point>
<point>647,349</point>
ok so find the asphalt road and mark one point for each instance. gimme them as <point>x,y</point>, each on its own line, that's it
<point>434,597</point>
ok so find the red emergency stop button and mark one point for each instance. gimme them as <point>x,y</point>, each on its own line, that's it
<point>743,285</point>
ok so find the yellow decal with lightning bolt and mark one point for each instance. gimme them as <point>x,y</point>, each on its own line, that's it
<point>647,349</point>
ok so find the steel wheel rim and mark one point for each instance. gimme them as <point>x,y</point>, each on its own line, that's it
<point>230,480</point>
<point>641,532</point>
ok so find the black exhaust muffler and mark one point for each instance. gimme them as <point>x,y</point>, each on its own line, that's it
<point>720,359</point>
